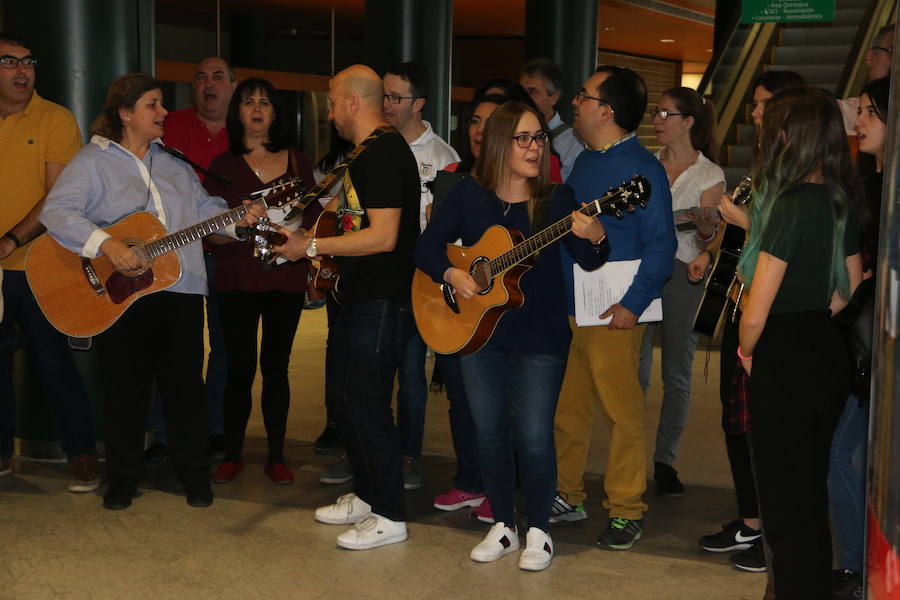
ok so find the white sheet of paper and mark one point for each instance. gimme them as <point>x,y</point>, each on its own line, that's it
<point>596,291</point>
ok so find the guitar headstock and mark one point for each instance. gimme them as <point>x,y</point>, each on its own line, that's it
<point>625,197</point>
<point>743,193</point>
<point>285,192</point>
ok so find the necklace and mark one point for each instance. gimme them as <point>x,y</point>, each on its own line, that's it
<point>254,167</point>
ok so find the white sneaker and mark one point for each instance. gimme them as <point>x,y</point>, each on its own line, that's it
<point>538,550</point>
<point>372,532</point>
<point>499,541</point>
<point>347,510</point>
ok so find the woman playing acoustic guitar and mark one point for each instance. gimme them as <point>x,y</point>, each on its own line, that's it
<point>513,382</point>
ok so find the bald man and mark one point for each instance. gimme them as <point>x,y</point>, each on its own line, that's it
<point>380,222</point>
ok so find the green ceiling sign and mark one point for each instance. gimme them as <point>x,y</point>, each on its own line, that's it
<point>786,11</point>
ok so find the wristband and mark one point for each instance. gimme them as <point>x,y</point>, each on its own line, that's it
<point>741,356</point>
<point>9,234</point>
<point>712,257</point>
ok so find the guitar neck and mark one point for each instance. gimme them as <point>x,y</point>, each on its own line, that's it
<point>545,237</point>
<point>191,234</point>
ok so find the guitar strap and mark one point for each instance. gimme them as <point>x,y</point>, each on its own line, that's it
<point>337,172</point>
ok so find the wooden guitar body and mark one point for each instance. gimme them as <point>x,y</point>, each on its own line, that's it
<point>326,275</point>
<point>450,332</point>
<point>62,288</point>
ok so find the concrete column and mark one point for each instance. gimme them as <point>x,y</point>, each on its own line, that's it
<point>418,30</point>
<point>565,31</point>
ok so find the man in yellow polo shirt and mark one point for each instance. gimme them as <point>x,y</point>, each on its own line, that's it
<point>37,139</point>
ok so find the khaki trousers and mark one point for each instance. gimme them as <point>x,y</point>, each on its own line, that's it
<point>603,371</point>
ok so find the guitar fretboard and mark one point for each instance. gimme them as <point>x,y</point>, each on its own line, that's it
<point>629,194</point>
<point>191,234</point>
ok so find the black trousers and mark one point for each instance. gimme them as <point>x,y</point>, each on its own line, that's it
<point>160,337</point>
<point>798,386</point>
<point>241,313</point>
<point>736,444</point>
<point>366,342</point>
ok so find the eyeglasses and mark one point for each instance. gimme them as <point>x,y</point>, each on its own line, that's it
<point>12,62</point>
<point>524,140</point>
<point>883,49</point>
<point>663,114</point>
<point>395,99</point>
<point>582,95</point>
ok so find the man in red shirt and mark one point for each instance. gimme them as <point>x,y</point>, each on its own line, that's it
<point>199,132</point>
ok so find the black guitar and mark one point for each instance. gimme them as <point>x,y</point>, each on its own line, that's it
<point>715,299</point>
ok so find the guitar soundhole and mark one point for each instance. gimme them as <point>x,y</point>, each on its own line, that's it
<point>120,287</point>
<point>480,272</point>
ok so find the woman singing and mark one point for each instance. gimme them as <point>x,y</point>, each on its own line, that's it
<point>513,382</point>
<point>249,291</point>
<point>684,122</point>
<point>801,259</point>
<point>123,171</point>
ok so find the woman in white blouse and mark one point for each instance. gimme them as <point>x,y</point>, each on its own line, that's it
<point>684,122</point>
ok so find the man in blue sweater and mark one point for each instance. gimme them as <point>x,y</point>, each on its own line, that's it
<point>604,359</point>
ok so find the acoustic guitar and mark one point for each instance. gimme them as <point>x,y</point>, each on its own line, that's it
<point>451,324</point>
<point>82,297</point>
<point>722,281</point>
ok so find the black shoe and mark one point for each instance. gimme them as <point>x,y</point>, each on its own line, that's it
<point>118,497</point>
<point>199,497</point>
<point>329,440</point>
<point>155,455</point>
<point>734,536</point>
<point>216,446</point>
<point>844,582</point>
<point>753,559</point>
<point>621,534</point>
<point>666,478</point>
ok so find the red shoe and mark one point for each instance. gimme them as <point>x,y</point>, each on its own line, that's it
<point>279,473</point>
<point>227,471</point>
<point>484,513</point>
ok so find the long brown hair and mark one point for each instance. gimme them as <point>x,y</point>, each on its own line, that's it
<point>123,92</point>
<point>492,166</point>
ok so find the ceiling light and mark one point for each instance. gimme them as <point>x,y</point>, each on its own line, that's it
<point>667,41</point>
<point>609,29</point>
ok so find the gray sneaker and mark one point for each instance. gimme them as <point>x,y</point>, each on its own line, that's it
<point>412,479</point>
<point>337,473</point>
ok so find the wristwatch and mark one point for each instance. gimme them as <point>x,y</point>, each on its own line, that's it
<point>311,250</point>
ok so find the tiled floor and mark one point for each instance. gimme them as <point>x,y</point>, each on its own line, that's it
<point>259,540</point>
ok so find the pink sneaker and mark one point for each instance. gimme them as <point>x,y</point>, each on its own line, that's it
<point>484,513</point>
<point>456,499</point>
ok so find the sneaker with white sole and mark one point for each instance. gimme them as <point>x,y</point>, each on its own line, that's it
<point>499,541</point>
<point>484,512</point>
<point>456,499</point>
<point>538,552</point>
<point>347,510</point>
<point>84,473</point>
<point>734,536</point>
<point>563,512</point>
<point>372,532</point>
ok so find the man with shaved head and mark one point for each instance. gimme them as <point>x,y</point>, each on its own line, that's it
<point>379,223</point>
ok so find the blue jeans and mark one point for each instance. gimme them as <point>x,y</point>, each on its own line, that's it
<point>847,484</point>
<point>49,353</point>
<point>513,401</point>
<point>462,427</point>
<point>412,396</point>
<point>365,345</point>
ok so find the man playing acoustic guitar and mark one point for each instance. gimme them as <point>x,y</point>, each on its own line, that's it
<point>378,226</point>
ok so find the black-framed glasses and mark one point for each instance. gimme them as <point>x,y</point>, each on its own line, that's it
<point>889,51</point>
<point>583,95</point>
<point>663,114</point>
<point>12,62</point>
<point>523,140</point>
<point>395,99</point>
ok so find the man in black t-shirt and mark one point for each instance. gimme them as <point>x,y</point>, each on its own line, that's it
<point>379,222</point>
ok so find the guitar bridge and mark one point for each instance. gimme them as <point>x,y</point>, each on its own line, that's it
<point>450,297</point>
